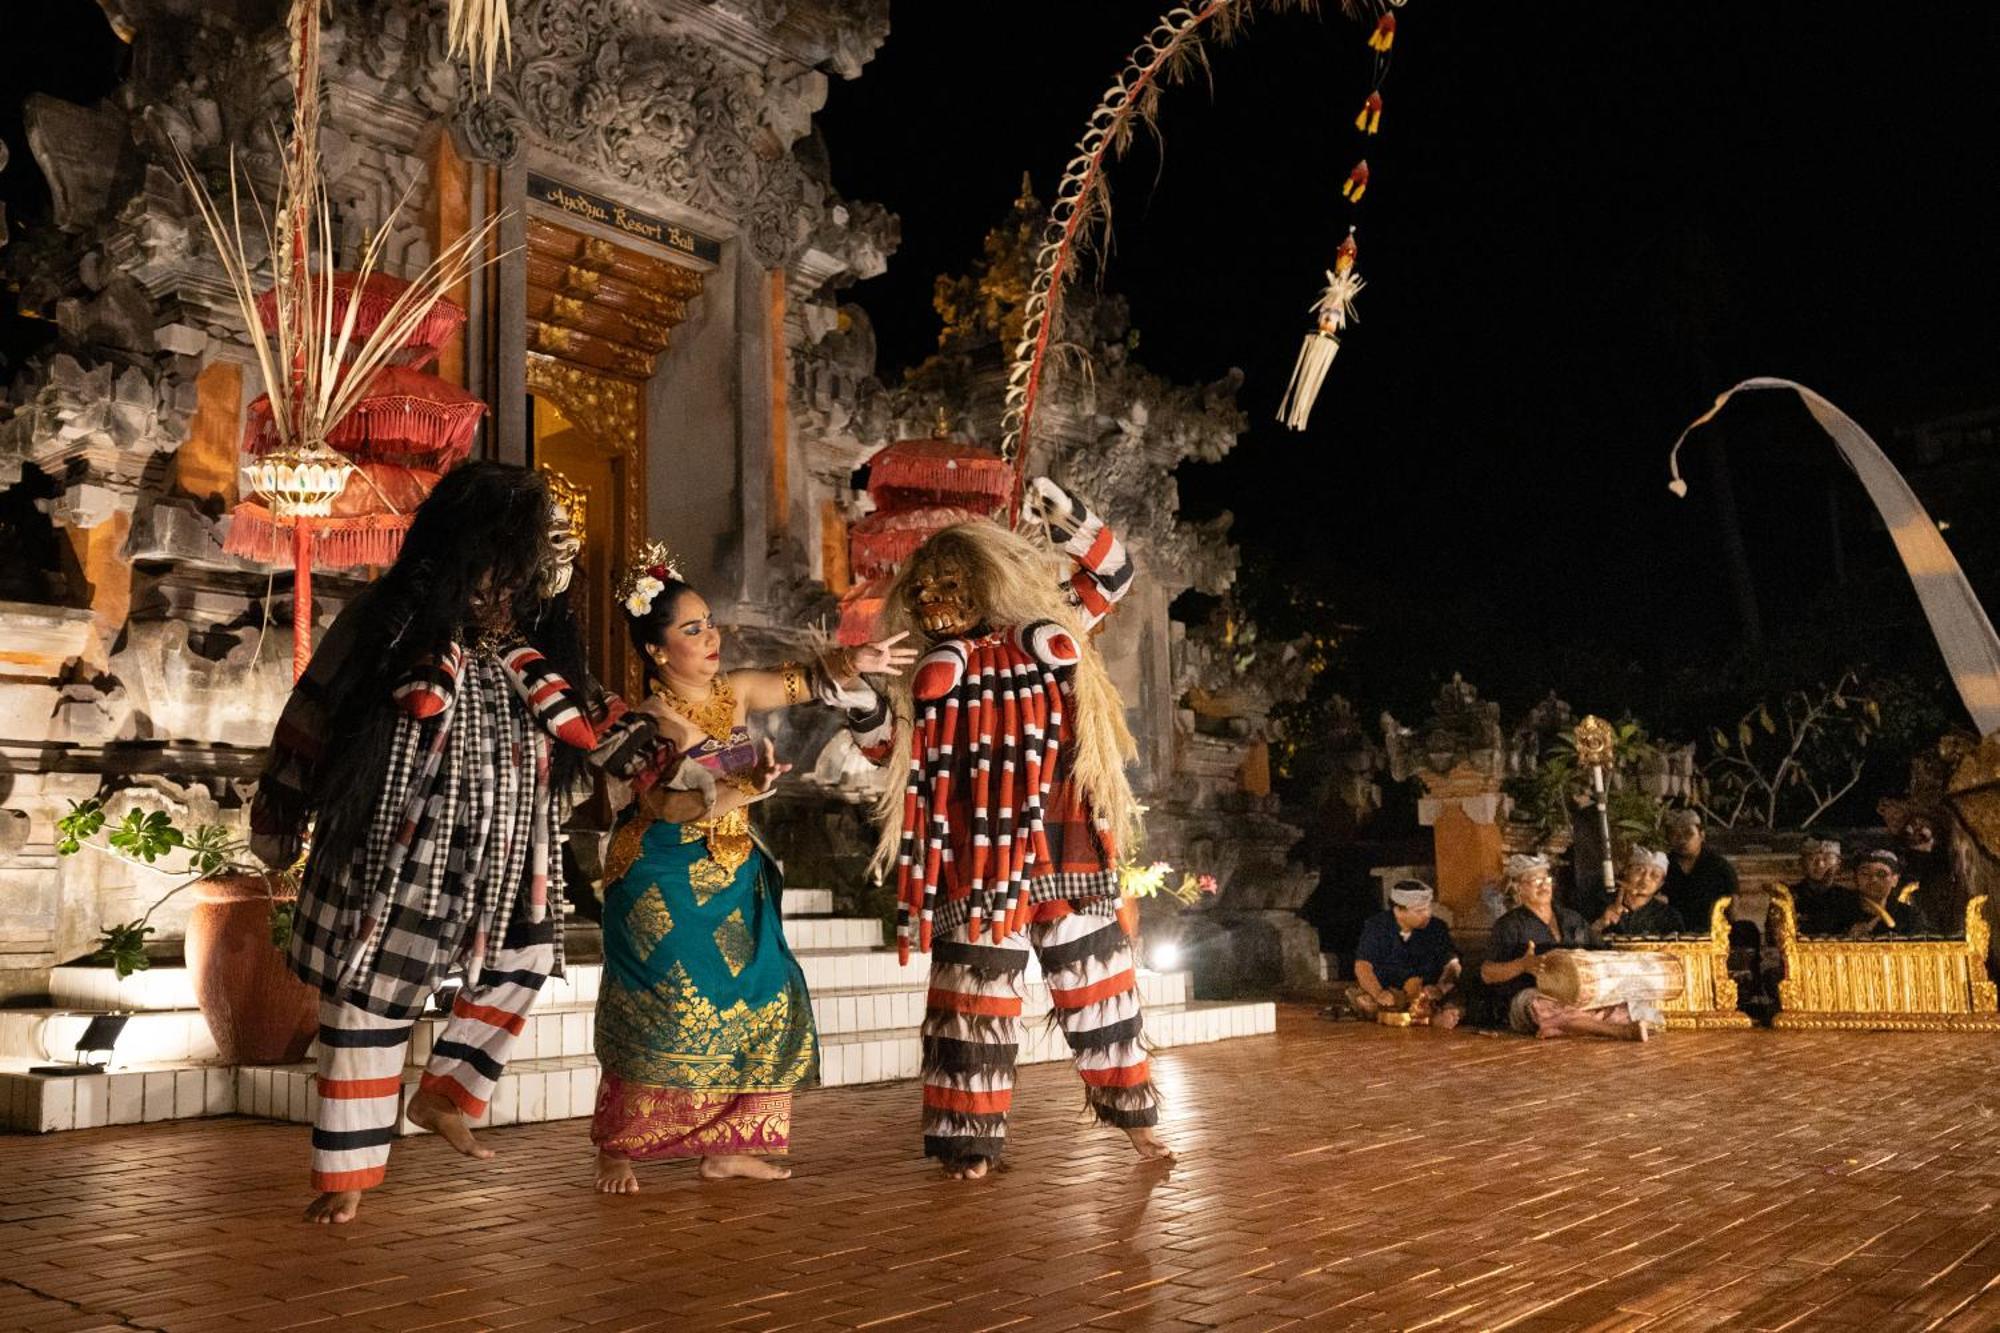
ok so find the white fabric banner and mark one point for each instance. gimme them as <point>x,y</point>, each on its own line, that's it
<point>1964,634</point>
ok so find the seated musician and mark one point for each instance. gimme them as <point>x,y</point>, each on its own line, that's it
<point>1823,905</point>
<point>1639,909</point>
<point>1406,960</point>
<point>1697,875</point>
<point>1928,876</point>
<point>1533,925</point>
<point>1881,911</point>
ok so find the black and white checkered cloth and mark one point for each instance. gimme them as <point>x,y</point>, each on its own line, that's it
<point>462,849</point>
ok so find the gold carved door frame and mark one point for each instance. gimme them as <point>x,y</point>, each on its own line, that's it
<point>609,410</point>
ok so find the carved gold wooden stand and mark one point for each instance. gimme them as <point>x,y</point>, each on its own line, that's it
<point>1708,1000</point>
<point>1885,984</point>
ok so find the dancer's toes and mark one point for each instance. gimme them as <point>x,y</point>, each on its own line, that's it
<point>1152,1148</point>
<point>334,1206</point>
<point>741,1166</point>
<point>435,1112</point>
<point>614,1176</point>
<point>971,1168</point>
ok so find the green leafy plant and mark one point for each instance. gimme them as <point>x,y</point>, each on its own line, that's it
<point>1542,797</point>
<point>1791,760</point>
<point>145,837</point>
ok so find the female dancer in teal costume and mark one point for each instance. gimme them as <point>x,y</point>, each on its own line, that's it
<point>704,1025</point>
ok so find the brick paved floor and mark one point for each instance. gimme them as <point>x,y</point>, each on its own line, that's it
<point>1334,1177</point>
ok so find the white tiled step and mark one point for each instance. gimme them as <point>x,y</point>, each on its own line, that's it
<point>564,1087</point>
<point>534,1088</point>
<point>78,987</point>
<point>530,1092</point>
<point>807,927</point>
<point>808,902</point>
<point>157,1037</point>
<point>572,1030</point>
<point>890,1007</point>
<point>833,932</point>
<point>36,1103</point>
<point>848,969</point>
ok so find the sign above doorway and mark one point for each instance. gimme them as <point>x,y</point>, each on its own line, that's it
<point>630,221</point>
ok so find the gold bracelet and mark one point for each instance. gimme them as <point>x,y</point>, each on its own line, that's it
<point>794,677</point>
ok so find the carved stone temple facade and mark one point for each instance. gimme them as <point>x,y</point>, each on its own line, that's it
<point>663,331</point>
<point>672,245</point>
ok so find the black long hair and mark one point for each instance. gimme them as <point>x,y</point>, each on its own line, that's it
<point>483,519</point>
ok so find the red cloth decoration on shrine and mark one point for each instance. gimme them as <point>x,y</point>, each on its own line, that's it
<point>913,473</point>
<point>880,543</point>
<point>439,325</point>
<point>407,416</point>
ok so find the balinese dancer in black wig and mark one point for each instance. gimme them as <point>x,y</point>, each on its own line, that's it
<point>434,742</point>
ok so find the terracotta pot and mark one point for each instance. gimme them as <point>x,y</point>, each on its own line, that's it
<point>258,1012</point>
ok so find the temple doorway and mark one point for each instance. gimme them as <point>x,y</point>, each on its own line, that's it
<point>599,313</point>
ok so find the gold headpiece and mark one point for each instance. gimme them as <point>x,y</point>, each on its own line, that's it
<point>647,576</point>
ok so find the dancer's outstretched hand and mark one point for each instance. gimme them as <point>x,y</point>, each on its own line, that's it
<point>764,774</point>
<point>884,657</point>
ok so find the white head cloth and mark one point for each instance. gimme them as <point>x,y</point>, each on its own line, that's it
<point>1643,858</point>
<point>1411,893</point>
<point>1520,867</point>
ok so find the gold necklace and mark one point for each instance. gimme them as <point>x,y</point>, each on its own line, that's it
<point>716,716</point>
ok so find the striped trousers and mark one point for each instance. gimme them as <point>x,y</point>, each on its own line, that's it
<point>972,1030</point>
<point>361,1058</point>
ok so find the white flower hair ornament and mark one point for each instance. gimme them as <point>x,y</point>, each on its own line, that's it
<point>647,577</point>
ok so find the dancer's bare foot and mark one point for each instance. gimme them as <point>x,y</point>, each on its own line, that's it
<point>335,1206</point>
<point>968,1168</point>
<point>614,1175</point>
<point>434,1111</point>
<point>743,1167</point>
<point>1445,1018</point>
<point>1152,1148</point>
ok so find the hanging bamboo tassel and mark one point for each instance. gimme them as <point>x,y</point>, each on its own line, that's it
<point>1370,119</point>
<point>1384,35</point>
<point>1357,182</point>
<point>1334,309</point>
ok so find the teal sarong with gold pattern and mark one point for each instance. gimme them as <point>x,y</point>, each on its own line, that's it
<point>704,1025</point>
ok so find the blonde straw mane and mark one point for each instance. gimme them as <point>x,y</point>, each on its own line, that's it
<point>1015,582</point>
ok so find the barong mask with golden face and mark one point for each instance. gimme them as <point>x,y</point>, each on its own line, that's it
<point>941,596</point>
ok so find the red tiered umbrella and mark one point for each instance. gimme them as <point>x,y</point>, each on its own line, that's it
<point>379,292</point>
<point>913,473</point>
<point>920,488</point>
<point>408,417</point>
<point>402,435</point>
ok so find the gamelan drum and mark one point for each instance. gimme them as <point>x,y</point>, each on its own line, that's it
<point>1600,978</point>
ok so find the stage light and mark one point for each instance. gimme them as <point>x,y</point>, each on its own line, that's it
<point>1166,956</point>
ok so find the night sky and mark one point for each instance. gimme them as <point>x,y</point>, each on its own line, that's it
<point>1584,222</point>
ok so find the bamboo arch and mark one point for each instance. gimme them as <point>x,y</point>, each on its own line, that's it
<point>1169,50</point>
